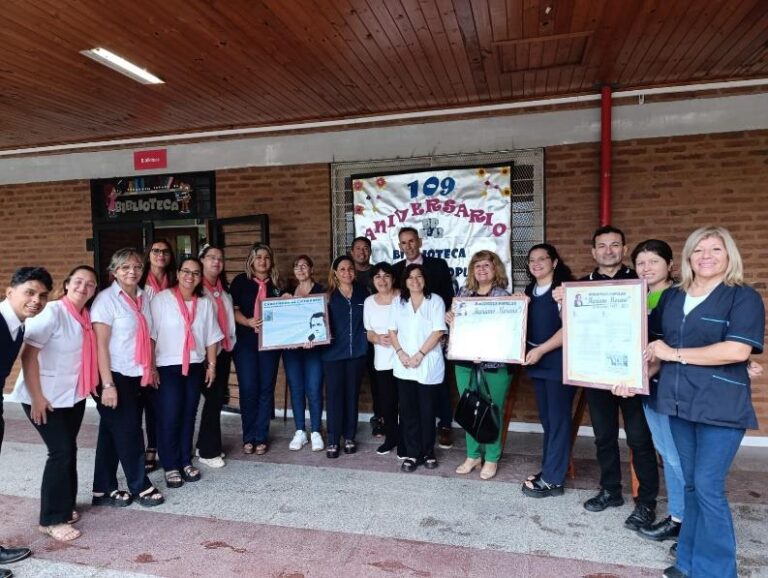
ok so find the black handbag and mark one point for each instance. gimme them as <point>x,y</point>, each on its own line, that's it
<point>476,412</point>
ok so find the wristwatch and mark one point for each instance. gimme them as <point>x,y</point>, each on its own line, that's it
<point>107,385</point>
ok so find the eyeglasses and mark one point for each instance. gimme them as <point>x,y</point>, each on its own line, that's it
<point>128,268</point>
<point>214,258</point>
<point>189,272</point>
<point>160,252</point>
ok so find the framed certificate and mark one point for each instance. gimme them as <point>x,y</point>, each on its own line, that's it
<point>488,329</point>
<point>605,331</point>
<point>289,323</point>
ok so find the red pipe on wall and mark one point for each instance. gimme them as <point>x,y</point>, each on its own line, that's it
<point>605,156</point>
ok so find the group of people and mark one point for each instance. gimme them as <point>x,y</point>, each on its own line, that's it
<point>161,335</point>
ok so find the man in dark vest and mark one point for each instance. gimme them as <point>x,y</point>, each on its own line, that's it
<point>25,298</point>
<point>439,279</point>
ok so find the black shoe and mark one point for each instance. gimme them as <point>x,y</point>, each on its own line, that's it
<point>430,462</point>
<point>332,452</point>
<point>641,517</point>
<point>667,529</point>
<point>674,572</point>
<point>385,448</point>
<point>541,489</point>
<point>604,499</point>
<point>350,447</point>
<point>445,438</point>
<point>11,555</point>
<point>377,428</point>
<point>673,551</point>
<point>5,573</point>
<point>408,465</point>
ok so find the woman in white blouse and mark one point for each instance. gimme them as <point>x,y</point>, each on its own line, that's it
<point>186,334</point>
<point>376,313</point>
<point>122,323</point>
<point>216,289</point>
<point>59,370</point>
<point>415,329</point>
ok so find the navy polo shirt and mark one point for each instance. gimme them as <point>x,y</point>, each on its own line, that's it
<point>244,290</point>
<point>543,322</point>
<point>348,335</point>
<point>712,394</point>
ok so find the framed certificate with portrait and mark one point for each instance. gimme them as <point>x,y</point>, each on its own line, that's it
<point>293,322</point>
<point>488,329</point>
<point>605,332</point>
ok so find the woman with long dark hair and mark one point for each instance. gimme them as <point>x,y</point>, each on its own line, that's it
<point>304,369</point>
<point>59,371</point>
<point>216,289</point>
<point>544,365</point>
<point>344,358</point>
<point>256,370</point>
<point>186,335</point>
<point>415,328</point>
<point>159,274</point>
<point>122,322</point>
<point>486,278</point>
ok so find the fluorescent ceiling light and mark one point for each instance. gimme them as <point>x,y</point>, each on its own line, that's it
<point>121,65</point>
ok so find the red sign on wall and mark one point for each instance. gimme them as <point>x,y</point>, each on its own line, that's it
<point>154,159</point>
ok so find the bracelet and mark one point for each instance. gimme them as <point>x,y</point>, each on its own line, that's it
<point>398,350</point>
<point>680,357</point>
<point>107,385</point>
<point>422,353</point>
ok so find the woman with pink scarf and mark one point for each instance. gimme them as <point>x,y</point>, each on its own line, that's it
<point>122,322</point>
<point>59,370</point>
<point>186,334</point>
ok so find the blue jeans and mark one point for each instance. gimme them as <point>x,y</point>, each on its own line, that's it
<point>256,375</point>
<point>554,401</point>
<point>304,372</point>
<point>176,401</point>
<point>658,423</point>
<point>707,543</point>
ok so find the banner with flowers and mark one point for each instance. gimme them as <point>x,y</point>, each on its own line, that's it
<point>456,211</point>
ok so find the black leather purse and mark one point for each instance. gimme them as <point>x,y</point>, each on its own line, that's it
<point>476,412</point>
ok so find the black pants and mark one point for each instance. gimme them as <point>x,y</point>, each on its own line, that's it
<point>342,393</point>
<point>59,488</point>
<point>147,412</point>
<point>604,411</point>
<point>209,436</point>
<point>387,390</point>
<point>417,418</point>
<point>2,421</point>
<point>120,440</point>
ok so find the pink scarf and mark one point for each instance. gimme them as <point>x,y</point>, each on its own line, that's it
<point>89,369</point>
<point>217,293</point>
<point>157,287</point>
<point>260,296</point>
<point>142,355</point>
<point>189,319</point>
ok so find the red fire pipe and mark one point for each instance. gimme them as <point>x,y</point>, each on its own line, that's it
<point>605,156</point>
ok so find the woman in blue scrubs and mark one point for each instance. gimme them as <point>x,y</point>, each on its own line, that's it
<point>711,323</point>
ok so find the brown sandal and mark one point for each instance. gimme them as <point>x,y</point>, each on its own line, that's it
<point>249,448</point>
<point>60,532</point>
<point>262,449</point>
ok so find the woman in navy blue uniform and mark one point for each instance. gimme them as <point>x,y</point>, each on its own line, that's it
<point>344,358</point>
<point>544,365</point>
<point>256,370</point>
<point>711,323</point>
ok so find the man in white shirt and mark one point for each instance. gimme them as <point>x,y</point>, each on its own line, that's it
<point>25,297</point>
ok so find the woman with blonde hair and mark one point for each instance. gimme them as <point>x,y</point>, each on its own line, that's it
<point>711,323</point>
<point>256,370</point>
<point>486,278</point>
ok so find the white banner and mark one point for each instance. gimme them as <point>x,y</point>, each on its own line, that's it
<point>456,211</point>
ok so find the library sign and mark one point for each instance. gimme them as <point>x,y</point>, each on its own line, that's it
<point>148,198</point>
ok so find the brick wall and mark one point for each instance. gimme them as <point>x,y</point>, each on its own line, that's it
<point>665,188</point>
<point>662,188</point>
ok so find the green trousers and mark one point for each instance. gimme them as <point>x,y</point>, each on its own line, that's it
<point>498,384</point>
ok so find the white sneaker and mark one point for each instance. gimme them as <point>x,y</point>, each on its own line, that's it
<point>197,454</point>
<point>299,440</point>
<point>317,442</point>
<point>217,462</point>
